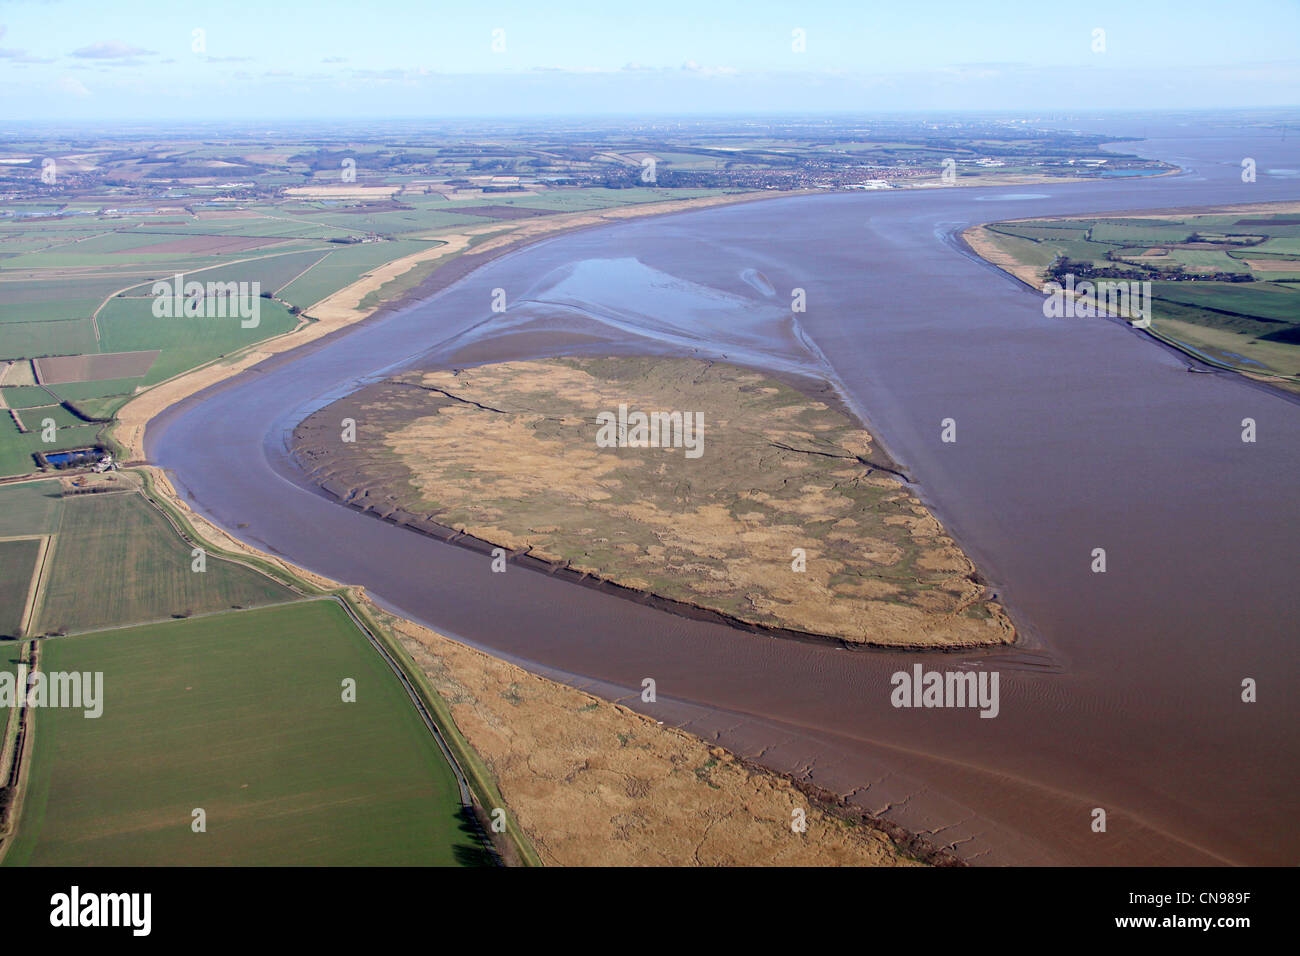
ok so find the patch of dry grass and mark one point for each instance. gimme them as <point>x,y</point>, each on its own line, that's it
<point>508,453</point>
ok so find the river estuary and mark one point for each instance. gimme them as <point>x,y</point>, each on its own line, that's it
<point>1072,434</point>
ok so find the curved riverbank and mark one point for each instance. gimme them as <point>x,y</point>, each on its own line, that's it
<point>1137,659</point>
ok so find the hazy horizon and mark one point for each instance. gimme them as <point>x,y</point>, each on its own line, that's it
<point>150,61</point>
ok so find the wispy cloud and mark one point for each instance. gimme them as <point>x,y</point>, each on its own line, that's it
<point>19,56</point>
<point>71,85</point>
<point>110,50</point>
<point>22,56</point>
<point>690,66</point>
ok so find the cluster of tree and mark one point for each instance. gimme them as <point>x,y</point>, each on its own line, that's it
<point>1083,269</point>
<point>1229,240</point>
<point>492,165</point>
<point>202,170</point>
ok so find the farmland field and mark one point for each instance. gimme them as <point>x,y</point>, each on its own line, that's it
<point>343,265</point>
<point>96,367</point>
<point>17,561</point>
<point>129,325</point>
<point>117,561</point>
<point>88,292</point>
<point>37,416</point>
<point>240,714</point>
<point>16,448</point>
<point>33,299</point>
<point>25,396</point>
<point>63,336</point>
<point>1219,286</point>
<point>30,508</point>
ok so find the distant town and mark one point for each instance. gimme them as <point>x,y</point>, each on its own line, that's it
<point>223,167</point>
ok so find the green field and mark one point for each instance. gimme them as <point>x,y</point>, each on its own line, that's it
<point>100,407</point>
<point>17,561</point>
<point>32,299</point>
<point>1203,260</point>
<point>25,396</point>
<point>79,391</point>
<point>271,270</point>
<point>1152,232</point>
<point>129,325</point>
<point>118,561</point>
<point>36,416</point>
<point>16,448</point>
<point>64,336</point>
<point>239,714</point>
<point>1263,301</point>
<point>341,267</point>
<point>33,507</point>
<point>98,399</point>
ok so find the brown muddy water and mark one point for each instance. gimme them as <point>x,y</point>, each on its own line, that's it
<point>1072,435</point>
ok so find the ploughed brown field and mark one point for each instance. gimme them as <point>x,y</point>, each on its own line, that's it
<point>785,515</point>
<point>505,212</point>
<point>93,367</point>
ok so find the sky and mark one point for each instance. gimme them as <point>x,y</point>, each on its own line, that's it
<point>64,60</point>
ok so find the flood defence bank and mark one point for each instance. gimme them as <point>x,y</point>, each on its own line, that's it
<point>1143,654</point>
